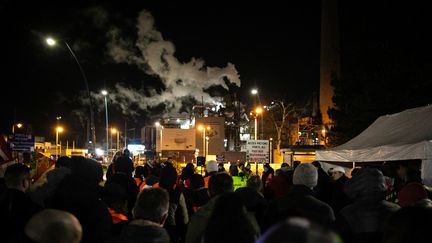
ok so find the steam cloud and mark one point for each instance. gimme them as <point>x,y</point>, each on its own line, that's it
<point>155,56</point>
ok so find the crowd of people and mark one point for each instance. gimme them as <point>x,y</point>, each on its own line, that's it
<point>157,203</point>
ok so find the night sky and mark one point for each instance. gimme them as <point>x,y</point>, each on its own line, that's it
<point>273,46</point>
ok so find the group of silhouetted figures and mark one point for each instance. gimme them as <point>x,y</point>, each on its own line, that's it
<point>77,202</point>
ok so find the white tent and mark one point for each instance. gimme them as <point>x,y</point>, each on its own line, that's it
<point>400,136</point>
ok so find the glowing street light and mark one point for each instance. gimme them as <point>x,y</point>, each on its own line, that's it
<point>254,91</point>
<point>52,42</point>
<point>105,93</point>
<point>18,125</point>
<point>58,130</point>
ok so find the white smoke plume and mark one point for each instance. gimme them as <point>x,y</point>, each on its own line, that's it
<point>155,56</point>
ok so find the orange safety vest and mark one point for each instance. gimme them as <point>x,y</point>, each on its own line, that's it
<point>140,183</point>
<point>156,185</point>
<point>117,217</point>
<point>206,181</point>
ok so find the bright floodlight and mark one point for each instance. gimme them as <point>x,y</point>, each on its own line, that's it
<point>113,131</point>
<point>200,127</point>
<point>104,92</point>
<point>157,124</point>
<point>254,91</point>
<point>59,129</point>
<point>50,41</point>
<point>19,125</point>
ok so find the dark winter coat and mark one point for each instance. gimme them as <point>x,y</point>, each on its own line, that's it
<point>338,198</point>
<point>144,232</point>
<point>129,184</point>
<point>363,220</point>
<point>300,201</point>
<point>82,199</point>
<point>16,208</point>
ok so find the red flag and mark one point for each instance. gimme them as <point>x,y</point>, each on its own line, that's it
<point>43,164</point>
<point>5,153</point>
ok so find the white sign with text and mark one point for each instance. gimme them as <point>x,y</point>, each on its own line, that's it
<point>257,150</point>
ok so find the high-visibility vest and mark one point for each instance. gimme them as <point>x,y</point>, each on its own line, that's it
<point>239,182</point>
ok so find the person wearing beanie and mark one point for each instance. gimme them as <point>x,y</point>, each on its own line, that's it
<point>300,201</point>
<point>364,219</point>
<point>306,175</point>
<point>212,168</point>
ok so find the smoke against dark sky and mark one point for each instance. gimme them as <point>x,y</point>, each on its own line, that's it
<point>154,52</point>
<point>156,56</point>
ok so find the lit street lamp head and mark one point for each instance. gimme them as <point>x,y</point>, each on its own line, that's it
<point>104,92</point>
<point>19,125</point>
<point>59,129</point>
<point>258,110</point>
<point>50,41</point>
<point>254,91</point>
<point>113,131</point>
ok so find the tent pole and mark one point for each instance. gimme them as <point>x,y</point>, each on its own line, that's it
<point>353,164</point>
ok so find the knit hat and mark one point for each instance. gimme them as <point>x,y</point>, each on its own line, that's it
<point>338,169</point>
<point>411,193</point>
<point>305,174</point>
<point>212,166</point>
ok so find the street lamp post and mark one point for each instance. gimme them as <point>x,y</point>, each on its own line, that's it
<point>203,129</point>
<point>115,131</point>
<point>258,111</point>
<point>255,92</point>
<point>271,150</point>
<point>207,146</point>
<point>58,130</point>
<point>52,42</point>
<point>118,140</point>
<point>105,93</point>
<point>111,140</point>
<point>160,127</point>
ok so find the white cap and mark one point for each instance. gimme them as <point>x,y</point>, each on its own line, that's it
<point>339,169</point>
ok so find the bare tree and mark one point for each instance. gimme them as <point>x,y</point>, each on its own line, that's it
<point>279,112</point>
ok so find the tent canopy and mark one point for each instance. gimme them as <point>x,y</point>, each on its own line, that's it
<point>406,135</point>
<point>401,136</point>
